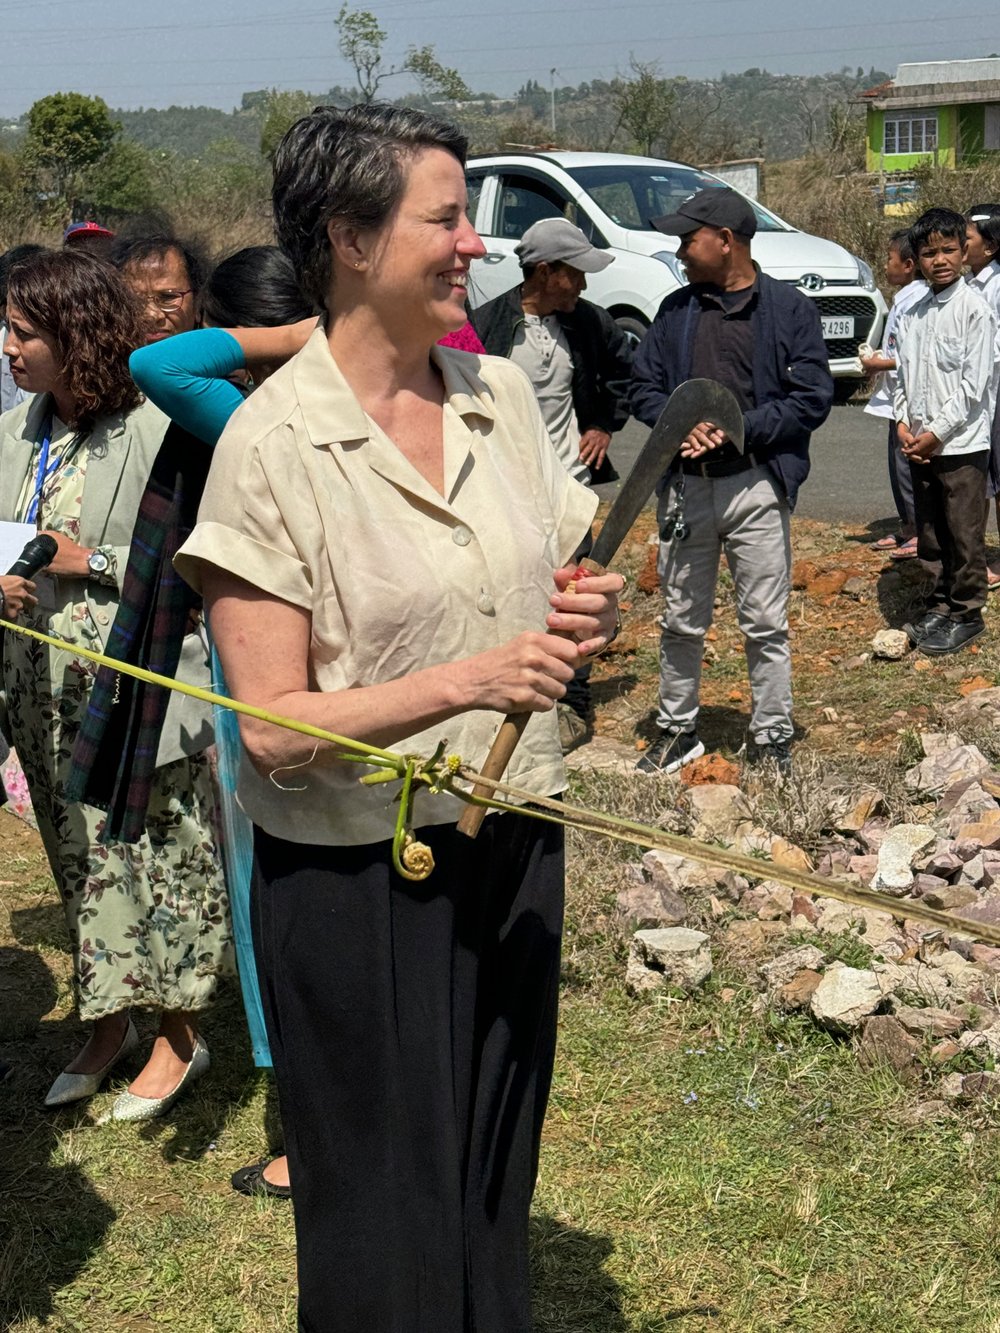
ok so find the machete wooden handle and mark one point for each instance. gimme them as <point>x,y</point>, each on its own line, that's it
<point>506,739</point>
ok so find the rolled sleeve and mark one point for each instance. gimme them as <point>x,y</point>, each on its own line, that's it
<point>244,527</point>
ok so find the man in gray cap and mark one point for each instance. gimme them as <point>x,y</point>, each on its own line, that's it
<point>762,339</point>
<point>578,361</point>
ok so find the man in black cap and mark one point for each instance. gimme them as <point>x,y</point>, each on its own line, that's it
<point>578,361</point>
<point>763,340</point>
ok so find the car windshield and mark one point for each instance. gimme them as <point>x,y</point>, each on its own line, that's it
<point>633,195</point>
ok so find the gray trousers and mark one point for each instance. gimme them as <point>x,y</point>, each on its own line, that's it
<point>747,517</point>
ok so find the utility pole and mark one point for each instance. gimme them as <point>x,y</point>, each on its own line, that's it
<point>552,97</point>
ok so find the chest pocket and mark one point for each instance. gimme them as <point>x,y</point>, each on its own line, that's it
<point>949,353</point>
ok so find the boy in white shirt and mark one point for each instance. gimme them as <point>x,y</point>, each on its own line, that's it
<point>982,248</point>
<point>900,272</point>
<point>943,410</point>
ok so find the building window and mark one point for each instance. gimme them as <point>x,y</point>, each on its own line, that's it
<point>991,127</point>
<point>910,134</point>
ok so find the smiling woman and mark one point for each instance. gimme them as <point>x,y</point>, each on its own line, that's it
<point>400,524</point>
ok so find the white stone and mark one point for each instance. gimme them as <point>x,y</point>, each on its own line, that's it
<point>675,956</point>
<point>779,971</point>
<point>845,997</point>
<point>899,849</point>
<point>717,811</point>
<point>944,768</point>
<point>891,644</point>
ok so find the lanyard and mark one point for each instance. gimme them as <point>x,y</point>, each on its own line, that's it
<point>47,470</point>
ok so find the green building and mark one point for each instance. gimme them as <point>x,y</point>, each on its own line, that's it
<point>946,112</point>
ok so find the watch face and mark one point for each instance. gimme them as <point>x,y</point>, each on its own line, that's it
<point>98,562</point>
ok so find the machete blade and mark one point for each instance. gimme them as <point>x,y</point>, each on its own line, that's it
<point>690,403</point>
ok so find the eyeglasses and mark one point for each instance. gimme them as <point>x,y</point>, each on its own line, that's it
<point>166,301</point>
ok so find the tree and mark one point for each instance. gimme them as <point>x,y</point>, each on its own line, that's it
<point>281,111</point>
<point>120,183</point>
<point>645,105</point>
<point>361,39</point>
<point>67,133</point>
<point>435,78</point>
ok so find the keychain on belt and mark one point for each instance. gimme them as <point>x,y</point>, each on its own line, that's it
<point>675,526</point>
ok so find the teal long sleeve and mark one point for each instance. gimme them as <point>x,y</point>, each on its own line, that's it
<point>186,377</point>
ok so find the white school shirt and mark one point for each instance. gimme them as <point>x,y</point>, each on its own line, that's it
<point>880,403</point>
<point>945,370</point>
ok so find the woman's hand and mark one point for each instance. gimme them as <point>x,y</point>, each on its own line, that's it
<point>589,613</point>
<point>71,558</point>
<point>17,594</point>
<point>525,675</point>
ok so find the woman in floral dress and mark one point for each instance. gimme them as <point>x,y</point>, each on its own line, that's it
<point>149,921</point>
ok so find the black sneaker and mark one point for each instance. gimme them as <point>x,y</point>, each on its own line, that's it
<point>778,753</point>
<point>672,751</point>
<point>929,623</point>
<point>951,637</point>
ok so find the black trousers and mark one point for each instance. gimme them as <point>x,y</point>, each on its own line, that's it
<point>949,497</point>
<point>413,1032</point>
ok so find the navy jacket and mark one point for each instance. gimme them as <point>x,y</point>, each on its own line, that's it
<point>793,387</point>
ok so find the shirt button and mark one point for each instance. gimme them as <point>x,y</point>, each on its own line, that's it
<point>102,617</point>
<point>484,603</point>
<point>461,535</point>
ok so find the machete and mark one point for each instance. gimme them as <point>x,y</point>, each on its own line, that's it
<point>690,403</point>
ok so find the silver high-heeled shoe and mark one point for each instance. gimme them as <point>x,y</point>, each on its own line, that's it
<point>127,1106</point>
<point>75,1087</point>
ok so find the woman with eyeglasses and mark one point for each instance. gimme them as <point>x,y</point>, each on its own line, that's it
<point>149,922</point>
<point>167,276</point>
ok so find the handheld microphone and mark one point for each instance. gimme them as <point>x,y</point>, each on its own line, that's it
<point>38,553</point>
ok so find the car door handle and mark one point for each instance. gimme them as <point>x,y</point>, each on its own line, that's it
<point>493,257</point>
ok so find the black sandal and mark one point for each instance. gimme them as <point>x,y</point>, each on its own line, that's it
<point>250,1180</point>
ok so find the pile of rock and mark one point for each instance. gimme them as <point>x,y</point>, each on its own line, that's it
<point>922,996</point>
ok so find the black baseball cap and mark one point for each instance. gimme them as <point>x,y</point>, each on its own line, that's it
<point>710,208</point>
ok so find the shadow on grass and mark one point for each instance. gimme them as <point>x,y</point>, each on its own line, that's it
<point>573,1293</point>
<point>51,1219</point>
<point>901,590</point>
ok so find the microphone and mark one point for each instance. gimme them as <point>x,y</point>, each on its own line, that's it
<point>38,553</point>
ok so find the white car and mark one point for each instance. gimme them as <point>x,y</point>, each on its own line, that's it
<point>612,197</point>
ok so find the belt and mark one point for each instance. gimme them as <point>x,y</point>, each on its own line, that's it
<point>706,467</point>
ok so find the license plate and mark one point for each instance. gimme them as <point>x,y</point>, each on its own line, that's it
<point>838,327</point>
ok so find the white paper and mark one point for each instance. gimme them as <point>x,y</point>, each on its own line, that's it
<point>14,537</point>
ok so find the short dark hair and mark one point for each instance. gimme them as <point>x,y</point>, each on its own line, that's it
<point>348,165</point>
<point>129,250</point>
<point>901,242</point>
<point>95,319</point>
<point>986,219</point>
<point>948,224</point>
<point>7,260</point>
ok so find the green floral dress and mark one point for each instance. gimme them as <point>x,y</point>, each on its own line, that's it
<point>149,922</point>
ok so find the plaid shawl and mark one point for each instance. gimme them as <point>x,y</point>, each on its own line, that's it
<point>114,757</point>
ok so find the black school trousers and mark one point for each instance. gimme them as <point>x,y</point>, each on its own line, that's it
<point>413,1030</point>
<point>950,503</point>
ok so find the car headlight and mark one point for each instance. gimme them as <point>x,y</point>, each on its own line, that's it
<point>865,276</point>
<point>675,266</point>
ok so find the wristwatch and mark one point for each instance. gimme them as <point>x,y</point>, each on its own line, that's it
<point>98,563</point>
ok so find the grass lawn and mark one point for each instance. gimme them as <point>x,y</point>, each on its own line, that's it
<point>706,1166</point>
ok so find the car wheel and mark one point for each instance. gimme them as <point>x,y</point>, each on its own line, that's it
<point>633,328</point>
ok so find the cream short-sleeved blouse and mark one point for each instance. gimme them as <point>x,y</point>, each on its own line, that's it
<point>308,500</point>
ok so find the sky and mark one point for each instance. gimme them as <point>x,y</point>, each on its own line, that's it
<point>200,52</point>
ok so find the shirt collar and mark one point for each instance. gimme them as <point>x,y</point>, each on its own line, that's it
<point>948,293</point>
<point>331,412</point>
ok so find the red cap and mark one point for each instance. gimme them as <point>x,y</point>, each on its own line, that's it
<point>77,229</point>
